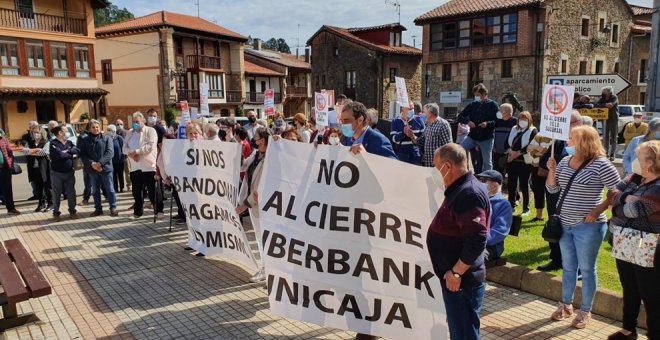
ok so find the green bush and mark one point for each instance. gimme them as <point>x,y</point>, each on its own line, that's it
<point>238,111</point>
<point>84,116</point>
<point>169,115</point>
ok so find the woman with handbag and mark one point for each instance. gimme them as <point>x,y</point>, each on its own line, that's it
<point>635,227</point>
<point>519,162</point>
<point>38,167</point>
<point>6,170</point>
<point>580,180</point>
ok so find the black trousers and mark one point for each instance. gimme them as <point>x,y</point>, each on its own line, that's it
<point>43,189</point>
<point>519,174</point>
<point>180,213</point>
<point>118,176</point>
<point>141,180</point>
<point>555,251</point>
<point>640,284</point>
<point>6,187</point>
<point>538,188</point>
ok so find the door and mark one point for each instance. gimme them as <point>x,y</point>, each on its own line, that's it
<point>475,76</point>
<point>25,9</point>
<point>46,111</point>
<point>252,96</point>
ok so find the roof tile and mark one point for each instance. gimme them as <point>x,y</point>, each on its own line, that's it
<point>343,32</point>
<point>454,8</point>
<point>639,10</point>
<point>251,68</point>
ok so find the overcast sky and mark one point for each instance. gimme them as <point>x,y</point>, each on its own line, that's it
<point>280,19</point>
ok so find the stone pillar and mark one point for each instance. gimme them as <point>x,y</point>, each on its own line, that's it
<point>653,82</point>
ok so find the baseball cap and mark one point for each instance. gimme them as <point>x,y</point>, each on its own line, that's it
<point>492,175</point>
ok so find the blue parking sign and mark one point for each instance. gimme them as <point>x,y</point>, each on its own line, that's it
<point>556,81</point>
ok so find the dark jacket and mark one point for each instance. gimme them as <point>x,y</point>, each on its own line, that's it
<point>614,111</point>
<point>62,155</point>
<point>37,166</point>
<point>97,149</point>
<point>374,142</point>
<point>477,113</point>
<point>118,144</point>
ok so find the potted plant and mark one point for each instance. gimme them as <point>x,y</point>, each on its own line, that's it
<point>84,117</point>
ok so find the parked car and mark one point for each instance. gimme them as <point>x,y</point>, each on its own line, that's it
<point>648,115</point>
<point>73,135</point>
<point>242,121</point>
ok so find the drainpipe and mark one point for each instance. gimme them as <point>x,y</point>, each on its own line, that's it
<point>632,38</point>
<point>537,56</point>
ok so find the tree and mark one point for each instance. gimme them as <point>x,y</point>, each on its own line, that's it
<point>110,15</point>
<point>278,45</point>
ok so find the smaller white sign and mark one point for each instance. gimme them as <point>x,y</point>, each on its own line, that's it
<point>450,97</point>
<point>204,99</point>
<point>194,112</point>
<point>556,111</point>
<point>401,91</point>
<point>321,104</point>
<point>591,84</point>
<point>269,102</point>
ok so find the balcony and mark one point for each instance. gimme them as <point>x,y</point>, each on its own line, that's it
<point>350,92</point>
<point>297,91</point>
<point>258,97</point>
<point>192,96</point>
<point>234,96</point>
<point>42,22</point>
<point>197,62</point>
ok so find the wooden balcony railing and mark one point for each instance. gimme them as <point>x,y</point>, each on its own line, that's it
<point>42,22</point>
<point>192,96</point>
<point>296,91</point>
<point>196,62</point>
<point>234,96</point>
<point>258,97</point>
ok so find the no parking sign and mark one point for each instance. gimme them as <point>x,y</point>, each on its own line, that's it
<point>556,111</point>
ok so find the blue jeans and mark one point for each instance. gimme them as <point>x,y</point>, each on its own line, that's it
<point>102,181</point>
<point>579,249</point>
<point>463,308</point>
<point>486,149</point>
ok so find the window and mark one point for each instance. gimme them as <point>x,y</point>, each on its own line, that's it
<point>350,79</point>
<point>26,8</point>
<point>482,31</point>
<point>215,85</point>
<point>35,57</point>
<point>81,53</point>
<point>395,38</point>
<point>615,34</point>
<point>335,52</point>
<point>642,98</point>
<point>263,86</point>
<point>106,71</point>
<point>60,65</point>
<point>601,24</point>
<point>446,72</point>
<point>507,68</point>
<point>9,58</point>
<point>564,66</point>
<point>642,71</point>
<point>583,67</point>
<point>178,43</point>
<point>585,27</point>
<point>616,67</point>
<point>392,75</point>
<point>216,48</point>
<point>201,47</point>
<point>599,66</point>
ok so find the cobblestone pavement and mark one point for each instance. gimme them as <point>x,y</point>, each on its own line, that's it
<point>118,279</point>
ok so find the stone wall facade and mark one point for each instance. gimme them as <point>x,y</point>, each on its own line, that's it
<point>407,67</point>
<point>636,94</point>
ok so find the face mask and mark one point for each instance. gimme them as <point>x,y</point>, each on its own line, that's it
<point>499,115</point>
<point>222,134</point>
<point>477,98</point>
<point>424,118</point>
<point>252,120</point>
<point>111,134</point>
<point>333,140</point>
<point>523,124</point>
<point>347,130</point>
<point>636,167</point>
<point>37,136</point>
<point>279,122</point>
<point>137,126</point>
<point>410,114</point>
<point>120,127</point>
<point>67,134</point>
<point>638,120</point>
<point>570,150</point>
<point>152,120</point>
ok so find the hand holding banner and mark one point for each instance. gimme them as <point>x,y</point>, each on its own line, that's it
<point>401,92</point>
<point>556,111</point>
<point>321,103</point>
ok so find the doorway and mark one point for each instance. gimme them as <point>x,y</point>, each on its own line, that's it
<point>475,76</point>
<point>46,111</point>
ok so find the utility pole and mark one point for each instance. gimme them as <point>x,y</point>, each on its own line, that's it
<point>413,38</point>
<point>653,82</point>
<point>197,3</point>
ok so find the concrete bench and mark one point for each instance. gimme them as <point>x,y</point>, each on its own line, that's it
<point>21,280</point>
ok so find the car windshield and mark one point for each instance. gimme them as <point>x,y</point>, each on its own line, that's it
<point>625,111</point>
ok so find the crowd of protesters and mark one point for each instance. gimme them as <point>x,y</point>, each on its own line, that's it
<point>504,150</point>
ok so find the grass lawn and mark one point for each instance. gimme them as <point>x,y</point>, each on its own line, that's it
<point>530,250</point>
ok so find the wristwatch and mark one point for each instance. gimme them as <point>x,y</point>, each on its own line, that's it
<point>456,275</point>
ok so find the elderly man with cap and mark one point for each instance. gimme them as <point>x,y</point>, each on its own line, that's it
<point>501,215</point>
<point>610,101</point>
<point>636,128</point>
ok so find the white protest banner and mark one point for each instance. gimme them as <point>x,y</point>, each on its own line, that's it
<point>185,118</point>
<point>269,102</point>
<point>322,104</point>
<point>556,111</point>
<point>206,175</point>
<point>204,99</point>
<point>341,250</point>
<point>193,113</point>
<point>401,91</point>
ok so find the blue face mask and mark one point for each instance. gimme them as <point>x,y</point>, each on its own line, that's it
<point>657,135</point>
<point>137,126</point>
<point>152,120</point>
<point>424,118</point>
<point>570,150</point>
<point>477,98</point>
<point>347,130</point>
<point>410,114</point>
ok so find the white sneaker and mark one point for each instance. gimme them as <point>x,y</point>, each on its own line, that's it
<point>160,216</point>
<point>133,217</point>
<point>259,276</point>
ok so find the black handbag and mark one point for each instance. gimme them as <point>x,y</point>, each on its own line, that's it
<point>552,230</point>
<point>16,169</point>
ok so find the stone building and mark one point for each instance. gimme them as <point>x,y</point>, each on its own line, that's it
<point>639,48</point>
<point>514,45</point>
<point>362,63</point>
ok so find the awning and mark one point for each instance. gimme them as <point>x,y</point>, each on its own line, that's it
<point>22,93</point>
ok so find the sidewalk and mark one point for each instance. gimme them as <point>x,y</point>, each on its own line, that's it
<point>118,279</point>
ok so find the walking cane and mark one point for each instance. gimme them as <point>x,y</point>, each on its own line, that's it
<point>158,191</point>
<point>171,199</point>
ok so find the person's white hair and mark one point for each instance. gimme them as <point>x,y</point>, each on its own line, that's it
<point>52,124</point>
<point>506,108</point>
<point>212,130</point>
<point>112,128</point>
<point>138,114</point>
<point>608,89</point>
<point>32,124</point>
<point>588,121</point>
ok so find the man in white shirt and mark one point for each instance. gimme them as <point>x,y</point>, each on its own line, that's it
<point>141,148</point>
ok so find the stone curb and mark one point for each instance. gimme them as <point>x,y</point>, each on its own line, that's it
<point>607,303</point>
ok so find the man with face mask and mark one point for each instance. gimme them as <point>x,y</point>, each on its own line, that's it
<point>251,126</point>
<point>96,151</point>
<point>501,217</point>
<point>404,126</point>
<point>358,135</point>
<point>636,128</point>
<point>503,125</point>
<point>480,116</point>
<point>153,121</point>
<point>456,241</point>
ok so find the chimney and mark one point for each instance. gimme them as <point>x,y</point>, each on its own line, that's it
<point>257,44</point>
<point>307,54</point>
